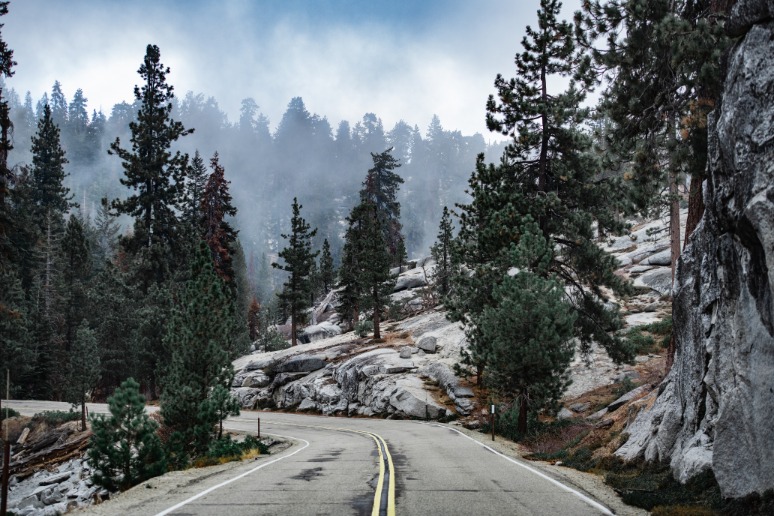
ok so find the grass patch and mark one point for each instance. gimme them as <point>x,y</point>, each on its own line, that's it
<point>56,417</point>
<point>227,449</point>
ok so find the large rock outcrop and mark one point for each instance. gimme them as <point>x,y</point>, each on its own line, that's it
<point>716,407</point>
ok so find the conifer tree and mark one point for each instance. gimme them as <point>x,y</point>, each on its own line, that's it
<point>327,270</point>
<point>442,254</point>
<point>381,188</point>
<point>663,62</point>
<point>83,368</point>
<point>548,174</point>
<point>298,258</point>
<point>217,232</point>
<point>194,191</point>
<point>364,275</point>
<point>199,338</point>
<point>125,449</point>
<point>153,174</point>
<point>49,195</point>
<point>528,328</point>
<point>76,272</point>
<point>17,351</point>
<point>105,235</point>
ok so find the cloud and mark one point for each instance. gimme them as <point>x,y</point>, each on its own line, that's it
<point>343,59</point>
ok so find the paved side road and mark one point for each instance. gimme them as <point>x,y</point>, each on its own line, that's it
<point>343,466</point>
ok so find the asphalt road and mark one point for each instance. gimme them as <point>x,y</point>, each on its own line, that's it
<point>341,466</point>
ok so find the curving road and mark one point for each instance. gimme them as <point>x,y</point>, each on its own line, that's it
<point>341,466</point>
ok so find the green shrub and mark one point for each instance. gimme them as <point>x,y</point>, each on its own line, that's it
<point>363,328</point>
<point>56,417</point>
<point>226,447</point>
<point>8,413</point>
<point>125,449</point>
<point>272,340</point>
<point>640,342</point>
<point>625,386</point>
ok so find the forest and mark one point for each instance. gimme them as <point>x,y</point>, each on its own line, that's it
<point>149,242</point>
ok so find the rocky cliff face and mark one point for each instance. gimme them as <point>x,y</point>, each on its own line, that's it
<point>716,407</point>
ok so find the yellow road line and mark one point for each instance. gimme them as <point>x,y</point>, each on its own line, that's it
<point>379,440</point>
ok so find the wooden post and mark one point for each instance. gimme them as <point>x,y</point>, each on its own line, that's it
<point>493,421</point>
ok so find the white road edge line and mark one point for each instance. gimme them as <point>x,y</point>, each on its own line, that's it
<point>580,495</point>
<point>213,488</point>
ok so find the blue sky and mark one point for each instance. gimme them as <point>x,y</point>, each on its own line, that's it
<point>399,59</point>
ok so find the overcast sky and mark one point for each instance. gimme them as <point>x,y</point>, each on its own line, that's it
<point>400,59</point>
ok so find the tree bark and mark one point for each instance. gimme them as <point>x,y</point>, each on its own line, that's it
<point>523,413</point>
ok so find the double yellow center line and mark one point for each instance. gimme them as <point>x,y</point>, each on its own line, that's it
<point>385,487</point>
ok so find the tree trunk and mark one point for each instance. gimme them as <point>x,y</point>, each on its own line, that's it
<point>292,329</point>
<point>695,206</point>
<point>523,414</point>
<point>377,333</point>
<point>674,208</point>
<point>83,414</point>
<point>479,374</point>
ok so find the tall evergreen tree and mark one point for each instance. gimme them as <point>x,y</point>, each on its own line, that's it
<point>83,368</point>
<point>76,273</point>
<point>327,269</point>
<point>663,64</point>
<point>381,188</point>
<point>365,248</point>
<point>442,254</point>
<point>547,174</point>
<point>298,258</point>
<point>217,232</point>
<point>199,338</point>
<point>194,191</point>
<point>153,173</point>
<point>49,195</point>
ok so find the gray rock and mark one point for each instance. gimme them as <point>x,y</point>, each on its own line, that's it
<point>396,368</point>
<point>256,379</point>
<point>719,388</point>
<point>463,392</point>
<point>55,479</point>
<point>626,398</point>
<point>307,404</point>
<point>427,344</point>
<point>323,330</point>
<point>631,374</point>
<point>405,352</point>
<point>663,258</point>
<point>300,364</point>
<point>659,279</point>
<point>579,407</point>
<point>410,280</point>
<point>566,413</point>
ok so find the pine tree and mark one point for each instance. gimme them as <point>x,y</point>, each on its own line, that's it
<point>194,191</point>
<point>254,319</point>
<point>58,104</point>
<point>125,449</point>
<point>663,62</point>
<point>76,272</point>
<point>548,174</point>
<point>84,368</point>
<point>381,188</point>
<point>199,338</point>
<point>442,254</point>
<point>113,315</point>
<point>153,173</point>
<point>49,195</point>
<point>365,272</point>
<point>106,230</point>
<point>327,270</point>
<point>17,351</point>
<point>298,258</point>
<point>528,328</point>
<point>217,232</point>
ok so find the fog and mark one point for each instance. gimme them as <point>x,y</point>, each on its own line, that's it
<point>294,95</point>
